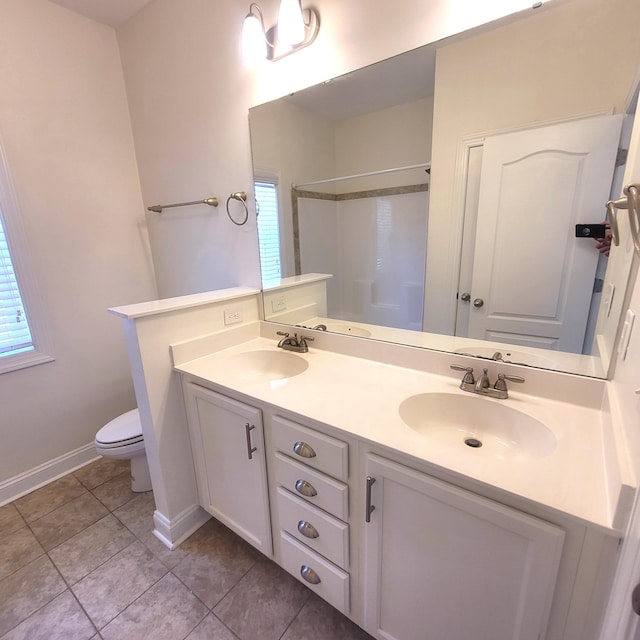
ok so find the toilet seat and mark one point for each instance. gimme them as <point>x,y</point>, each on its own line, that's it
<point>123,431</point>
<point>121,439</point>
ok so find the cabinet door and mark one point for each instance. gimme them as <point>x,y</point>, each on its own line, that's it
<point>228,450</point>
<point>442,563</point>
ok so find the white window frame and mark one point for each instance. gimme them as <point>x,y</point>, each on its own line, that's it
<point>14,231</point>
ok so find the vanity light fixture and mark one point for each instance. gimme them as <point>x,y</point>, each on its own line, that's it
<point>297,28</point>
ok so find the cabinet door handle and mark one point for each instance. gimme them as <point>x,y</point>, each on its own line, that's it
<point>250,449</point>
<point>306,488</point>
<point>309,575</point>
<point>304,450</point>
<point>369,507</point>
<point>307,529</point>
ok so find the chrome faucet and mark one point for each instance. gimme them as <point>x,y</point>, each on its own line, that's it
<point>497,356</point>
<point>482,386</point>
<point>293,343</point>
<point>482,383</point>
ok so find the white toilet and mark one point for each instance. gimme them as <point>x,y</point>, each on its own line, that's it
<point>122,439</point>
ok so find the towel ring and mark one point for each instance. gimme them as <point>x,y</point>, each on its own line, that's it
<point>241,197</point>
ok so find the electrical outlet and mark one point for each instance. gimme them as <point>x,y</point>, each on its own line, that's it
<point>279,304</point>
<point>232,316</point>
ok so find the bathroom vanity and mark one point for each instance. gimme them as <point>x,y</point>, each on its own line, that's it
<point>349,466</point>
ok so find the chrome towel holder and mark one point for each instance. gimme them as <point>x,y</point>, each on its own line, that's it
<point>157,208</point>
<point>241,197</point>
<point>631,202</point>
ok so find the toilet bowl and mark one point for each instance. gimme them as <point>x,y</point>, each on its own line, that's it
<point>122,439</point>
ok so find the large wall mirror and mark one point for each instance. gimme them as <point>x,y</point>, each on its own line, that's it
<point>432,199</point>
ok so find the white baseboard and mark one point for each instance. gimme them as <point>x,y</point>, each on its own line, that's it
<point>43,474</point>
<point>173,532</point>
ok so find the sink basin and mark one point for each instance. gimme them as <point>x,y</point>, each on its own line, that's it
<point>509,355</point>
<point>349,330</point>
<point>478,425</point>
<point>268,365</point>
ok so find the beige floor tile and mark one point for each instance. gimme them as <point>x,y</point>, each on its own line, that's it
<point>167,611</point>
<point>320,621</point>
<point>215,559</point>
<point>137,516</point>
<point>25,591</point>
<point>115,492</point>
<point>68,520</point>
<point>10,520</point>
<point>87,550</point>
<point>263,603</point>
<point>17,550</point>
<point>113,586</point>
<point>100,471</point>
<point>48,498</point>
<point>211,629</point>
<point>61,619</point>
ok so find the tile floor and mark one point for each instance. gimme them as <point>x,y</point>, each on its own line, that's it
<point>78,561</point>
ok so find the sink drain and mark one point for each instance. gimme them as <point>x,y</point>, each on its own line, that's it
<point>473,442</point>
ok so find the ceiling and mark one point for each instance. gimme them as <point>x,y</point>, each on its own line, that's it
<point>110,12</point>
<point>403,78</point>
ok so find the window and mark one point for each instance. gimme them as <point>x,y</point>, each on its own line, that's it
<point>24,340</point>
<point>15,334</point>
<point>266,192</point>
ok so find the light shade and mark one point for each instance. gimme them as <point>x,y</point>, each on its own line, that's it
<point>291,29</point>
<point>254,44</point>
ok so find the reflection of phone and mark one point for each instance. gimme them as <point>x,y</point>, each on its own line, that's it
<point>591,230</point>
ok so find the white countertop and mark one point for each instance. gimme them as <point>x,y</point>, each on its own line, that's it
<point>361,397</point>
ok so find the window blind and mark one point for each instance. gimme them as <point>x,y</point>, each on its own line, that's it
<point>15,335</point>
<point>268,231</point>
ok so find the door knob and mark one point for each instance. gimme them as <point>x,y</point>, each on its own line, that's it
<point>465,297</point>
<point>478,302</point>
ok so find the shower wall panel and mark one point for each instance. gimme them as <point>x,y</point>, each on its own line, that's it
<point>375,247</point>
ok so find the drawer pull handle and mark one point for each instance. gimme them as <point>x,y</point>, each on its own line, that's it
<point>369,508</point>
<point>309,575</point>
<point>250,448</point>
<point>304,450</point>
<point>306,488</point>
<point>307,529</point>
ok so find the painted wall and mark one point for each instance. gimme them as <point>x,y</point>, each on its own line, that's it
<point>66,129</point>
<point>479,90</point>
<point>402,138</point>
<point>281,135</point>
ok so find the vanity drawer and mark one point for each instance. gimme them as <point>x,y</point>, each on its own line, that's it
<point>314,571</point>
<point>315,528</point>
<point>311,447</point>
<point>315,487</point>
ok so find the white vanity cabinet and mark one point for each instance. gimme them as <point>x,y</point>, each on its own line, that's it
<point>227,442</point>
<point>443,563</point>
<point>434,560</point>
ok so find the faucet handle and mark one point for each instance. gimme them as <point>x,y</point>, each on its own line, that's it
<point>501,385</point>
<point>303,339</point>
<point>468,376</point>
<point>282,333</point>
